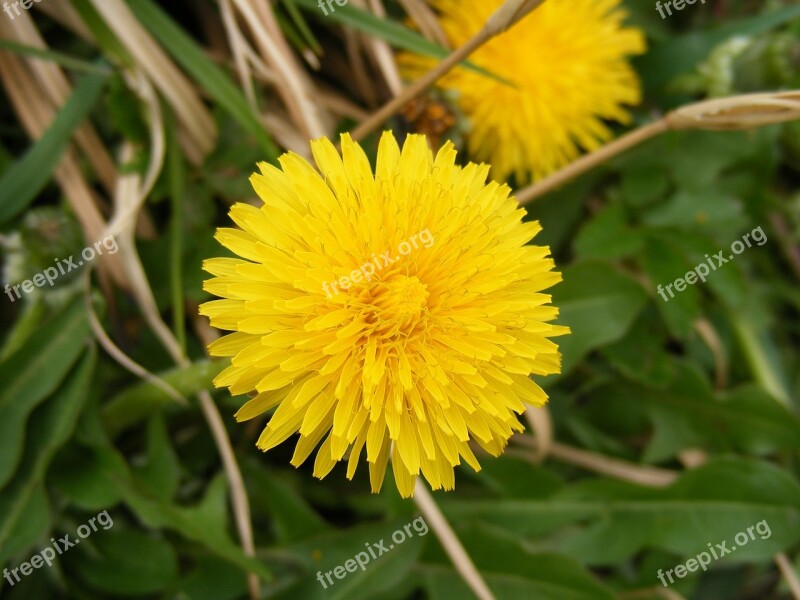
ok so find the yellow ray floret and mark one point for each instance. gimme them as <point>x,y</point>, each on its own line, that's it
<point>396,315</point>
<point>568,72</point>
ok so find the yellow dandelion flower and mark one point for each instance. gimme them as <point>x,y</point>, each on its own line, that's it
<point>567,62</point>
<point>401,311</point>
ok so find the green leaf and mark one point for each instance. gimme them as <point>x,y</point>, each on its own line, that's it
<point>711,503</point>
<point>599,304</point>
<point>326,552</point>
<point>513,477</point>
<point>204,523</point>
<point>162,470</point>
<point>643,184</point>
<point>213,79</point>
<point>728,282</point>
<point>53,423</point>
<point>700,210</point>
<point>291,517</point>
<point>176,176</point>
<point>212,579</point>
<point>763,357</point>
<point>664,263</point>
<point>34,372</point>
<point>78,476</point>
<point>608,236</point>
<point>23,181</point>
<point>29,526</point>
<point>746,419</point>
<point>144,399</point>
<point>124,563</point>
<point>513,571</point>
<point>641,355</point>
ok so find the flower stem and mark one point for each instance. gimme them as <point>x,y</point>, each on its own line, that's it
<point>591,160</point>
<point>452,545</point>
<point>501,20</point>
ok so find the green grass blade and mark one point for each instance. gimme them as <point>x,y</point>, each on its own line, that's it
<point>301,24</point>
<point>394,33</point>
<point>65,60</point>
<point>112,48</point>
<point>177,186</point>
<point>213,79</point>
<point>25,180</point>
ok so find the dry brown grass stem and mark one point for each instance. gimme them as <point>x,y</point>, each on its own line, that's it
<point>426,21</point>
<point>358,72</point>
<point>709,335</point>
<point>194,117</point>
<point>589,161</point>
<point>340,104</point>
<point>613,467</point>
<point>280,126</point>
<point>503,19</point>
<point>238,45</point>
<point>746,111</point>
<point>132,191</point>
<point>542,427</point>
<point>450,542</point>
<point>65,15</point>
<point>114,351</point>
<point>789,573</point>
<point>295,87</point>
<point>58,89</point>
<point>382,53</point>
<point>36,113</point>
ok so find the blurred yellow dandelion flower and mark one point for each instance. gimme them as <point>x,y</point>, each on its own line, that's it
<point>568,64</point>
<point>402,311</point>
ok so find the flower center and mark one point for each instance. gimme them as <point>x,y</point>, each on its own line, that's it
<point>401,301</point>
